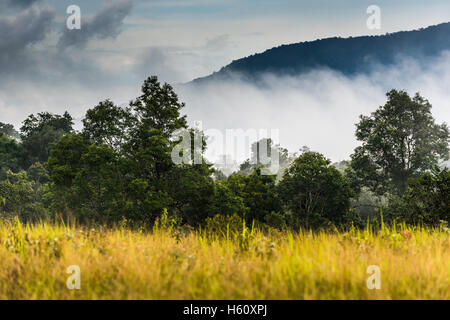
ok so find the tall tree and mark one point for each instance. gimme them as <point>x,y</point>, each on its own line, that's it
<point>121,165</point>
<point>158,180</point>
<point>157,118</point>
<point>158,108</point>
<point>400,140</point>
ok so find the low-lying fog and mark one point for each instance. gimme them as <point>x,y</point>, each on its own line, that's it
<point>318,109</point>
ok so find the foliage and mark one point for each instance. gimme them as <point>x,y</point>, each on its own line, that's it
<point>158,108</point>
<point>120,165</point>
<point>314,191</point>
<point>108,124</point>
<point>260,195</point>
<point>10,151</point>
<point>400,140</point>
<point>426,200</point>
<point>39,132</point>
<point>22,196</point>
<point>165,223</point>
<point>191,189</point>
<point>227,200</point>
<point>9,131</point>
<point>251,197</point>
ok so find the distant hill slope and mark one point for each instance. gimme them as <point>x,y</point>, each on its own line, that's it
<point>346,55</point>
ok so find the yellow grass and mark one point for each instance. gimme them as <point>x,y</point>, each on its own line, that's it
<point>125,264</point>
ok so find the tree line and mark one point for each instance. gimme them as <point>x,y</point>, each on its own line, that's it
<point>119,168</point>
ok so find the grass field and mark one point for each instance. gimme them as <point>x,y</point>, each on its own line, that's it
<point>120,263</point>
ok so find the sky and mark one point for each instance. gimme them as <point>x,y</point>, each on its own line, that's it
<point>45,66</point>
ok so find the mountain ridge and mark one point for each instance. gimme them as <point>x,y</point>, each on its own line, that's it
<point>351,55</point>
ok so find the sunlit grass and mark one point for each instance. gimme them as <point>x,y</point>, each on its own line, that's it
<point>120,263</point>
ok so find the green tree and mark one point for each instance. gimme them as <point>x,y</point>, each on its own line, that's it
<point>159,183</point>
<point>400,140</point>
<point>87,180</point>
<point>158,108</point>
<point>38,173</point>
<point>157,114</point>
<point>121,165</point>
<point>39,132</point>
<point>108,124</point>
<point>9,131</point>
<point>315,191</point>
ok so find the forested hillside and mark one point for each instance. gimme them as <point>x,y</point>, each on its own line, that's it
<point>346,55</point>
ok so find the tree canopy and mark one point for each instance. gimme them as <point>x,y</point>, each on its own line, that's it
<point>39,131</point>
<point>400,140</point>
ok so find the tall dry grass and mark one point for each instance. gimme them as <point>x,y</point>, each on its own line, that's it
<point>120,263</point>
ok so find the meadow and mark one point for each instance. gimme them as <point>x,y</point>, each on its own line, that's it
<point>242,263</point>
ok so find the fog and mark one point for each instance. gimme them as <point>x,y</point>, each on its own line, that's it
<point>318,109</point>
